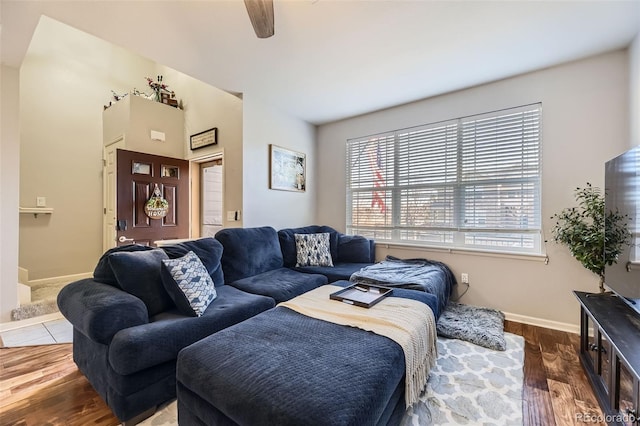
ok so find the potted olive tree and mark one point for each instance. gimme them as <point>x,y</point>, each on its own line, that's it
<point>594,237</point>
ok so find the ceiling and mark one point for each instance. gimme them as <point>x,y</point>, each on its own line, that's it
<point>333,59</point>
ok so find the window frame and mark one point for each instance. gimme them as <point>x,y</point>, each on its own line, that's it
<point>455,236</point>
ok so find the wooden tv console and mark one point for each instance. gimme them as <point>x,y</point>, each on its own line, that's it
<point>610,355</point>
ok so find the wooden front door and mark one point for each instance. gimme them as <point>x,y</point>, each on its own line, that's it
<point>137,178</point>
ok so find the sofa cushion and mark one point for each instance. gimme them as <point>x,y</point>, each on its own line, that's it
<point>313,250</point>
<point>137,348</point>
<point>104,273</point>
<point>288,242</point>
<point>280,284</point>
<point>188,283</point>
<point>354,249</point>
<point>249,251</point>
<point>138,273</point>
<point>209,250</point>
<point>339,271</point>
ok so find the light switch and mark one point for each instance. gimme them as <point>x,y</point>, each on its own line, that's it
<point>231,215</point>
<point>41,201</point>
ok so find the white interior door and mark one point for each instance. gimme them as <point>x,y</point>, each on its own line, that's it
<point>211,195</point>
<point>109,193</point>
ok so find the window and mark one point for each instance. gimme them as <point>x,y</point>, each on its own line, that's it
<point>472,182</point>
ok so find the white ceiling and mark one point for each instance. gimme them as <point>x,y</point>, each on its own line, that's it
<point>332,59</point>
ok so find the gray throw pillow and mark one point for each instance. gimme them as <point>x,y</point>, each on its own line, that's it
<point>313,250</point>
<point>188,283</point>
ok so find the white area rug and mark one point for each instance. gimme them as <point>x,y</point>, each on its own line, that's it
<point>470,385</point>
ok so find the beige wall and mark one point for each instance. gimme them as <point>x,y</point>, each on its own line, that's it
<point>9,188</point>
<point>585,122</point>
<point>634,91</point>
<point>206,107</point>
<point>264,125</point>
<point>66,78</point>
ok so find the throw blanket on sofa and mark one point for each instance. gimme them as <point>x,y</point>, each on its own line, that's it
<point>409,323</point>
<point>417,274</point>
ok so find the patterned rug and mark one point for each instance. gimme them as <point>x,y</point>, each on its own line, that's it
<point>470,385</point>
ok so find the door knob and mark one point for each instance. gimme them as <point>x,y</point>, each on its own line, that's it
<point>124,239</point>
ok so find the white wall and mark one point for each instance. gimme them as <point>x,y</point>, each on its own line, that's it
<point>634,91</point>
<point>264,125</point>
<point>585,122</point>
<point>9,189</point>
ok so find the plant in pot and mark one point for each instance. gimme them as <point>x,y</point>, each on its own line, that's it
<point>594,237</point>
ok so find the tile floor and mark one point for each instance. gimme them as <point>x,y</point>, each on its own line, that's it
<point>46,333</point>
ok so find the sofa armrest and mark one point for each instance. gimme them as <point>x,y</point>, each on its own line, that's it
<point>100,310</point>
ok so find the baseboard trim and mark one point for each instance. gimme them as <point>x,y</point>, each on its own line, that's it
<point>63,279</point>
<point>23,275</point>
<point>539,322</point>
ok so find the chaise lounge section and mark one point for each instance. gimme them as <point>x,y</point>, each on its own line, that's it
<point>285,368</point>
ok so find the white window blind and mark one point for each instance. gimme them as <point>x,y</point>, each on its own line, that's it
<point>469,182</point>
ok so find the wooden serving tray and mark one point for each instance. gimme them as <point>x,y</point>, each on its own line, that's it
<point>363,295</point>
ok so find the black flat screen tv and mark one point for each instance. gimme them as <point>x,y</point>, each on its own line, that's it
<point>622,193</point>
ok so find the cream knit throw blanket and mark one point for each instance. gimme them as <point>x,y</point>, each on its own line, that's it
<point>409,323</point>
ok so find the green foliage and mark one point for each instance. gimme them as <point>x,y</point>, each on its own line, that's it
<point>594,238</point>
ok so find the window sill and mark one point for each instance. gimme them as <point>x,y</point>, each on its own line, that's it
<point>469,252</point>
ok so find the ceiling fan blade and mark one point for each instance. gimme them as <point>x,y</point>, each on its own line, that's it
<point>261,15</point>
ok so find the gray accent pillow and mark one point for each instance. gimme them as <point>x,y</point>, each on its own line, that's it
<point>138,273</point>
<point>188,283</point>
<point>313,250</point>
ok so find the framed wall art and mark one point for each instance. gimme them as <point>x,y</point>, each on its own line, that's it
<point>288,169</point>
<point>202,139</point>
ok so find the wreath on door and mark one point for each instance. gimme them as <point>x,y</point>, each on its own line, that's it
<point>157,206</point>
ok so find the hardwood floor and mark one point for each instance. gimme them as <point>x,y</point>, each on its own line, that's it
<point>41,385</point>
<point>556,389</point>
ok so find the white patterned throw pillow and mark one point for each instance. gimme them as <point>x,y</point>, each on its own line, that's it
<point>188,283</point>
<point>313,250</point>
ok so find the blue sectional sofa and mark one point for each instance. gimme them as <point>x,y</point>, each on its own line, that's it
<point>128,329</point>
<point>126,342</point>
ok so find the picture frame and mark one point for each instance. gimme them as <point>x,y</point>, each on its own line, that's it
<point>287,169</point>
<point>203,139</point>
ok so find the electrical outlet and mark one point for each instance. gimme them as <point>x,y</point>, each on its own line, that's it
<point>41,201</point>
<point>464,277</point>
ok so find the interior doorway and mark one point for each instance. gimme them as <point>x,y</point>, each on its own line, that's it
<point>207,194</point>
